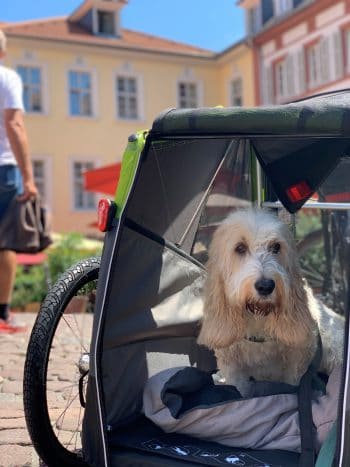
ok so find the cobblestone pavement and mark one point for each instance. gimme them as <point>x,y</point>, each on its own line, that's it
<point>15,445</point>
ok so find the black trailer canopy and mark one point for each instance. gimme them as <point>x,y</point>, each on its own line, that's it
<point>298,144</point>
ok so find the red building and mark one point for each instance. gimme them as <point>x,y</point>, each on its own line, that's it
<point>302,47</point>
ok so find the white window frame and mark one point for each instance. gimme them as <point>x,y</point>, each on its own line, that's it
<point>233,80</point>
<point>81,160</point>
<point>44,83</point>
<point>199,90</point>
<point>281,79</point>
<point>47,178</point>
<point>139,95</point>
<point>93,76</point>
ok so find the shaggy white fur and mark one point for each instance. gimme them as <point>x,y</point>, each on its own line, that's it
<point>260,317</point>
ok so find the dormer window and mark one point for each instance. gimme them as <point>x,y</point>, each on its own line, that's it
<point>100,17</point>
<point>106,22</point>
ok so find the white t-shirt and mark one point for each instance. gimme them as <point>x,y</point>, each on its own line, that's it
<point>11,89</point>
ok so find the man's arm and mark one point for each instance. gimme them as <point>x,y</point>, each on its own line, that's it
<point>17,135</point>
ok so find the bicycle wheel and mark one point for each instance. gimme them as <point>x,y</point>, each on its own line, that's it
<point>57,365</point>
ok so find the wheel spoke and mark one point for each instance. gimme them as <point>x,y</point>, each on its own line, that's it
<point>78,338</point>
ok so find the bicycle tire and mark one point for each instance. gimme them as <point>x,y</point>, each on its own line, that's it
<point>36,409</point>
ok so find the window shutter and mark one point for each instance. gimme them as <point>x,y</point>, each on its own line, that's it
<point>301,75</point>
<point>290,67</point>
<point>325,60</point>
<point>267,85</point>
<point>338,55</point>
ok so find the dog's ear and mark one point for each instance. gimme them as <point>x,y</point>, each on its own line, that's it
<point>295,325</point>
<point>222,325</point>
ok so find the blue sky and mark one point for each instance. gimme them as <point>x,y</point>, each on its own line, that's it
<point>211,24</point>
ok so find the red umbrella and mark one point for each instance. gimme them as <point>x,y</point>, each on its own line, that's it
<point>102,180</point>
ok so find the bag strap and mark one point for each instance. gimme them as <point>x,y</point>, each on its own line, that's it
<point>325,457</point>
<point>307,456</point>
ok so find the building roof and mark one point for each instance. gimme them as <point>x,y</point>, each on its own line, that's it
<point>63,30</point>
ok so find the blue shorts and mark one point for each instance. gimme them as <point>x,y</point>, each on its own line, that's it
<point>11,185</point>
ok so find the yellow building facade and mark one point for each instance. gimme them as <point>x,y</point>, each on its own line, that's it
<point>89,84</point>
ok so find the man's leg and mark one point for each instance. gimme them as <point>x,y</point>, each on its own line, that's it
<point>8,265</point>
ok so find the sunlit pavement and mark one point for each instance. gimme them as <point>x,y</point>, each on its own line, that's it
<point>15,445</point>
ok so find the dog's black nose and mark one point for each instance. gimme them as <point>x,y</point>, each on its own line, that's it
<point>265,286</point>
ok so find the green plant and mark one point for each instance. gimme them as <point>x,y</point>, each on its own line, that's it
<point>66,252</point>
<point>30,286</point>
<point>32,283</point>
<point>311,248</point>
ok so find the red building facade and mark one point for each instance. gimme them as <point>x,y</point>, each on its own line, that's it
<point>302,47</point>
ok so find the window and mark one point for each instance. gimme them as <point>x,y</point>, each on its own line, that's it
<point>187,95</point>
<point>267,10</point>
<point>40,177</point>
<point>314,65</point>
<point>80,94</point>
<point>267,84</point>
<point>318,58</point>
<point>296,3</point>
<point>300,71</point>
<point>281,78</point>
<point>254,20</point>
<point>347,46</point>
<point>127,97</point>
<point>338,55</point>
<point>237,92</point>
<point>282,6</point>
<point>106,22</point>
<point>32,88</point>
<point>83,200</point>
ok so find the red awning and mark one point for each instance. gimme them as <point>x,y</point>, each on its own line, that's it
<point>102,180</point>
<point>26,259</point>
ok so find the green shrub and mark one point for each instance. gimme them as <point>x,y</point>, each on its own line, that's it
<point>30,286</point>
<point>32,283</point>
<point>68,251</point>
<point>312,258</point>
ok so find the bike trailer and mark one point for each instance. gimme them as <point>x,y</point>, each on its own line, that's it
<point>178,181</point>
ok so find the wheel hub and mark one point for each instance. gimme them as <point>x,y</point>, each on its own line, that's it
<point>84,363</point>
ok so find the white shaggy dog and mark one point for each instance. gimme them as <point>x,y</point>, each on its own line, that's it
<point>259,316</point>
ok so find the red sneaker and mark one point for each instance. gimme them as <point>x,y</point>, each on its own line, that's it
<point>12,325</point>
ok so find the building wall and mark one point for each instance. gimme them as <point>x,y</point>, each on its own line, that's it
<point>234,64</point>
<point>58,138</point>
<point>306,53</point>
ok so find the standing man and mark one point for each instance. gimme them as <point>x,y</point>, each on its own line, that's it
<point>16,176</point>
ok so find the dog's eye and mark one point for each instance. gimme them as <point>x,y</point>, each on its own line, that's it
<point>275,248</point>
<point>241,249</point>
